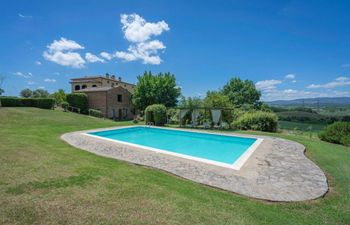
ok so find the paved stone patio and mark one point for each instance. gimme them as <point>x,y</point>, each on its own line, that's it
<point>278,170</point>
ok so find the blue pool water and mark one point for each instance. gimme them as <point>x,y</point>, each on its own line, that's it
<point>219,148</point>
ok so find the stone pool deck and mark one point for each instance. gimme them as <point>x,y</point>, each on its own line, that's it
<point>278,170</point>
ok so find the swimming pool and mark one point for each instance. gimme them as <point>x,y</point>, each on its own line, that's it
<point>221,150</point>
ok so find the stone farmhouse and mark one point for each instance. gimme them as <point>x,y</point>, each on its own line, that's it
<point>106,93</point>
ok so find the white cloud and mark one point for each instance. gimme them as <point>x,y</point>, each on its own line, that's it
<point>92,58</point>
<point>267,85</point>
<point>72,59</point>
<point>24,75</point>
<point>30,82</point>
<point>145,51</point>
<point>24,16</point>
<point>289,94</point>
<point>64,45</point>
<point>106,55</point>
<point>139,32</point>
<point>62,52</point>
<point>48,80</point>
<point>290,91</point>
<point>38,63</point>
<point>41,87</point>
<point>338,82</point>
<point>136,29</point>
<point>290,76</point>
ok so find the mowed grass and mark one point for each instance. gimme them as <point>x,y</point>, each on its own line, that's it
<point>43,180</point>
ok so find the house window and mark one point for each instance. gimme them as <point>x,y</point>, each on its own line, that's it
<point>112,85</point>
<point>94,85</point>
<point>83,86</point>
<point>77,87</point>
<point>120,98</point>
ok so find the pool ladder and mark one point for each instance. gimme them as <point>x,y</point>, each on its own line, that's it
<point>150,124</point>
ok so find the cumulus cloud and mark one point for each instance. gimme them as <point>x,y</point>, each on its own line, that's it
<point>139,32</point>
<point>38,63</point>
<point>64,45</point>
<point>63,53</point>
<point>106,55</point>
<point>137,29</point>
<point>267,85</point>
<point>24,75</point>
<point>145,51</point>
<point>338,82</point>
<point>93,58</point>
<point>48,80</point>
<point>290,76</point>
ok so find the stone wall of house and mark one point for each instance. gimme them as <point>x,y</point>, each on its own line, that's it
<point>97,100</point>
<point>120,110</point>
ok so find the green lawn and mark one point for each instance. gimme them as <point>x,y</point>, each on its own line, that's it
<point>43,180</point>
<point>288,125</point>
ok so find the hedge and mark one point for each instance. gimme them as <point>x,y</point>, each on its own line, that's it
<point>43,103</point>
<point>78,100</point>
<point>338,133</point>
<point>65,106</point>
<point>258,120</point>
<point>95,113</point>
<point>156,114</point>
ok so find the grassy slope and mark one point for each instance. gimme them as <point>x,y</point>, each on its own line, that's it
<point>288,125</point>
<point>45,181</point>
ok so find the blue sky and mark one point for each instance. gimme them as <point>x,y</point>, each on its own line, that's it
<point>290,49</point>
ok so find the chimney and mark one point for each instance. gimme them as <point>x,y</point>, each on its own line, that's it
<point>113,77</point>
<point>107,75</point>
<point>120,78</point>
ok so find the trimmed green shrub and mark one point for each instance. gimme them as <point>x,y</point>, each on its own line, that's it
<point>156,113</point>
<point>43,103</point>
<point>95,113</point>
<point>259,120</point>
<point>78,100</point>
<point>65,106</point>
<point>338,133</point>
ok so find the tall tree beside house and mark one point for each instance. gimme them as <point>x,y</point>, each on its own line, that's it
<point>241,92</point>
<point>155,89</point>
<point>59,96</point>
<point>26,93</point>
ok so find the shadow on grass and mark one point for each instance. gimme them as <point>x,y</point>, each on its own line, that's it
<point>70,181</point>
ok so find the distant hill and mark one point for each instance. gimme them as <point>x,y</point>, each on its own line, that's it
<point>313,102</point>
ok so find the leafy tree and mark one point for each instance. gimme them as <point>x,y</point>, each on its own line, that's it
<point>217,100</point>
<point>2,78</point>
<point>155,89</point>
<point>40,93</point>
<point>190,102</point>
<point>59,96</point>
<point>26,93</point>
<point>241,92</point>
